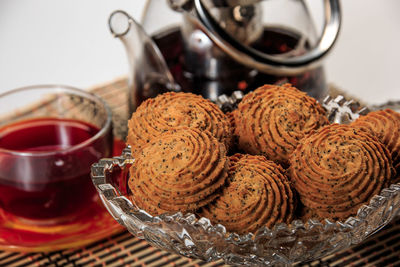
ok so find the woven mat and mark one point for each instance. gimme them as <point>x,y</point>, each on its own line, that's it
<point>123,249</point>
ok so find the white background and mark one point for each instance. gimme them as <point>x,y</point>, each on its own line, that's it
<point>68,42</point>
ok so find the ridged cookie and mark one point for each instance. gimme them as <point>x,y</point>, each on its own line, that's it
<point>385,125</point>
<point>172,110</point>
<point>257,194</point>
<point>337,169</point>
<point>273,119</point>
<point>181,170</point>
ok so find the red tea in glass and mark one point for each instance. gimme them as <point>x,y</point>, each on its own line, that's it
<point>45,159</point>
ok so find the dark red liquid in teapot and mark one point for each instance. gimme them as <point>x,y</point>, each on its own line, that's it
<point>273,41</point>
<point>43,186</point>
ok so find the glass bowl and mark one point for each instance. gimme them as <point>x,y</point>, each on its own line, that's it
<point>284,244</point>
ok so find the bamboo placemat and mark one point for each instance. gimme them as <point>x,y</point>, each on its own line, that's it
<point>123,249</point>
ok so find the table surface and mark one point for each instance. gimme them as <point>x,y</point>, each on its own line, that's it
<point>68,42</point>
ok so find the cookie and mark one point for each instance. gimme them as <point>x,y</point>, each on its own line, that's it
<point>172,110</point>
<point>337,169</point>
<point>273,119</point>
<point>181,170</point>
<point>257,194</point>
<point>233,145</point>
<point>385,125</point>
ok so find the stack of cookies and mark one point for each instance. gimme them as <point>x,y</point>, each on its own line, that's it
<point>275,158</point>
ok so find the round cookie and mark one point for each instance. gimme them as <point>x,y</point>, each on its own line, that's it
<point>257,194</point>
<point>181,170</point>
<point>273,119</point>
<point>337,169</point>
<point>385,125</point>
<point>172,110</point>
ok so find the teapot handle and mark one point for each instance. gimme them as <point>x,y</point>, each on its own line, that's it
<point>267,63</point>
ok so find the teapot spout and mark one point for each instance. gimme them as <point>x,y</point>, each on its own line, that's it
<point>149,74</point>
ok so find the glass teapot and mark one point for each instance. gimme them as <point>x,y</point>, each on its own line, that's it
<point>214,47</point>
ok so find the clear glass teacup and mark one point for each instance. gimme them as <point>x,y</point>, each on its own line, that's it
<point>49,137</point>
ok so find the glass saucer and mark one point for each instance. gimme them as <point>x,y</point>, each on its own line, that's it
<point>91,224</point>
